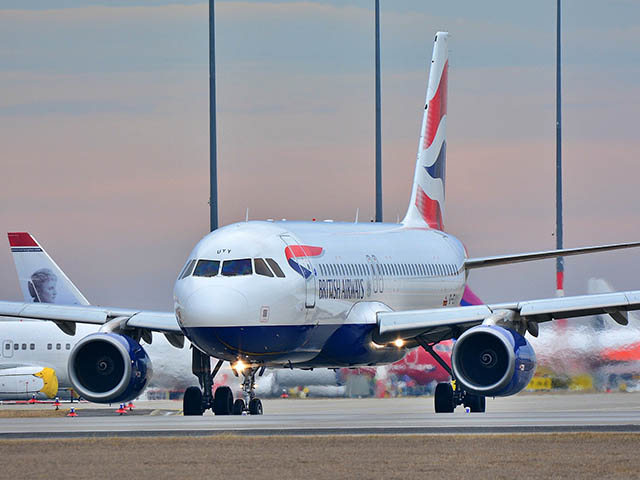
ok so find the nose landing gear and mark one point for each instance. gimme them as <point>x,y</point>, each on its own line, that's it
<point>199,399</point>
<point>250,403</point>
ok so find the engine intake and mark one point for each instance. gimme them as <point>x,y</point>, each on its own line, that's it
<point>109,368</point>
<point>493,361</point>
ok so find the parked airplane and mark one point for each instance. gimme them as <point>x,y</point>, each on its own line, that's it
<point>314,294</point>
<point>35,353</point>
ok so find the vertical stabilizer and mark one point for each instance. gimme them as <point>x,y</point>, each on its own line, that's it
<point>426,207</point>
<point>41,280</point>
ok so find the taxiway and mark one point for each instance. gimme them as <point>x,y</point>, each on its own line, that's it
<point>543,413</point>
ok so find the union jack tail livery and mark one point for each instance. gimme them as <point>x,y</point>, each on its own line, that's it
<point>426,206</point>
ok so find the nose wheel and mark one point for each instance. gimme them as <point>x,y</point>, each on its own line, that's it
<point>250,404</point>
<point>199,399</point>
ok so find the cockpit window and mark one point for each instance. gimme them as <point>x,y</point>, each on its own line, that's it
<point>188,268</point>
<point>232,268</point>
<point>207,268</point>
<point>261,268</point>
<point>275,267</point>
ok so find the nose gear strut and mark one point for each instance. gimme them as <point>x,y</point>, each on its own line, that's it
<point>250,403</point>
<point>199,399</point>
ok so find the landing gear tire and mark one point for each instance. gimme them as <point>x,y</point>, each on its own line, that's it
<point>255,406</point>
<point>192,401</point>
<point>443,398</point>
<point>475,403</point>
<point>223,401</point>
<point>238,406</point>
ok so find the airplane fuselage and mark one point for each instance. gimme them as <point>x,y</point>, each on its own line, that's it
<point>320,309</point>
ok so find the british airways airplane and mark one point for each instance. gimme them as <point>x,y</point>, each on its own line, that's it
<point>322,294</point>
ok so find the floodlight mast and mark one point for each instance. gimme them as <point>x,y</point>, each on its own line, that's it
<point>378,114</point>
<point>213,161</point>
<point>559,239</point>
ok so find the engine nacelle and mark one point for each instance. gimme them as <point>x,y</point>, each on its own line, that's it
<point>493,361</point>
<point>109,368</point>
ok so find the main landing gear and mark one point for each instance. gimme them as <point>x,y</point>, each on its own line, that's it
<point>199,399</point>
<point>449,395</point>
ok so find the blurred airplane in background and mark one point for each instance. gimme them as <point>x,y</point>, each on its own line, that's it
<point>35,353</point>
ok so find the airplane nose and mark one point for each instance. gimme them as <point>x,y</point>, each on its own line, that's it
<point>214,306</point>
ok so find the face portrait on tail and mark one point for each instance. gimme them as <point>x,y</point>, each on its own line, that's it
<point>42,286</point>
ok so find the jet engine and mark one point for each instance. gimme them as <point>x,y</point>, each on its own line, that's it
<point>493,361</point>
<point>109,368</point>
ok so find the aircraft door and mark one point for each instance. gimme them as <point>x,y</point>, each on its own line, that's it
<point>297,254</point>
<point>373,274</point>
<point>380,273</point>
<point>7,348</point>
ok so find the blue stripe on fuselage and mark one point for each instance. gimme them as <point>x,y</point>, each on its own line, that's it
<point>318,345</point>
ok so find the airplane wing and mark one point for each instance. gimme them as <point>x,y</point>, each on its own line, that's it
<point>481,262</point>
<point>66,316</point>
<point>435,325</point>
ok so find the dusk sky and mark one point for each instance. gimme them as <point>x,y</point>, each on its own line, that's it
<point>105,148</point>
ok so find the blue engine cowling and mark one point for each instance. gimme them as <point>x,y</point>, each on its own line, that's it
<point>109,368</point>
<point>493,361</point>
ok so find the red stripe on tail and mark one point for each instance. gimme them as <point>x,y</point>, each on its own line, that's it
<point>21,239</point>
<point>429,209</point>
<point>437,108</point>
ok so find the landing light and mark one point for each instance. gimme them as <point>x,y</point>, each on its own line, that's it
<point>399,343</point>
<point>239,366</point>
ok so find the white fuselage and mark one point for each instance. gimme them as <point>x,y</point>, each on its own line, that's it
<point>43,344</point>
<point>323,310</point>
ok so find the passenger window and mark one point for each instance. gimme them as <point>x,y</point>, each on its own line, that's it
<point>67,346</point>
<point>24,346</point>
<point>275,267</point>
<point>32,346</point>
<point>234,268</point>
<point>261,268</point>
<point>208,268</point>
<point>16,346</point>
<point>7,346</point>
<point>58,346</point>
<point>49,346</point>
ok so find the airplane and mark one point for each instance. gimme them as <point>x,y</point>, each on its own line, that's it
<point>263,294</point>
<point>35,353</point>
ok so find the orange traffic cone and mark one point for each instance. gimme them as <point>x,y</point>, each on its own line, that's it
<point>121,410</point>
<point>72,413</point>
<point>131,406</point>
<point>57,403</point>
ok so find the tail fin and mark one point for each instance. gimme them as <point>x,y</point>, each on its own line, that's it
<point>426,206</point>
<point>41,280</point>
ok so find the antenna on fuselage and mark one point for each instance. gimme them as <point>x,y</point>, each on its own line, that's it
<point>357,214</point>
<point>246,217</point>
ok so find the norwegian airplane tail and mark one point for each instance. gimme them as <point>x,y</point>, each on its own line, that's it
<point>426,207</point>
<point>41,280</point>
